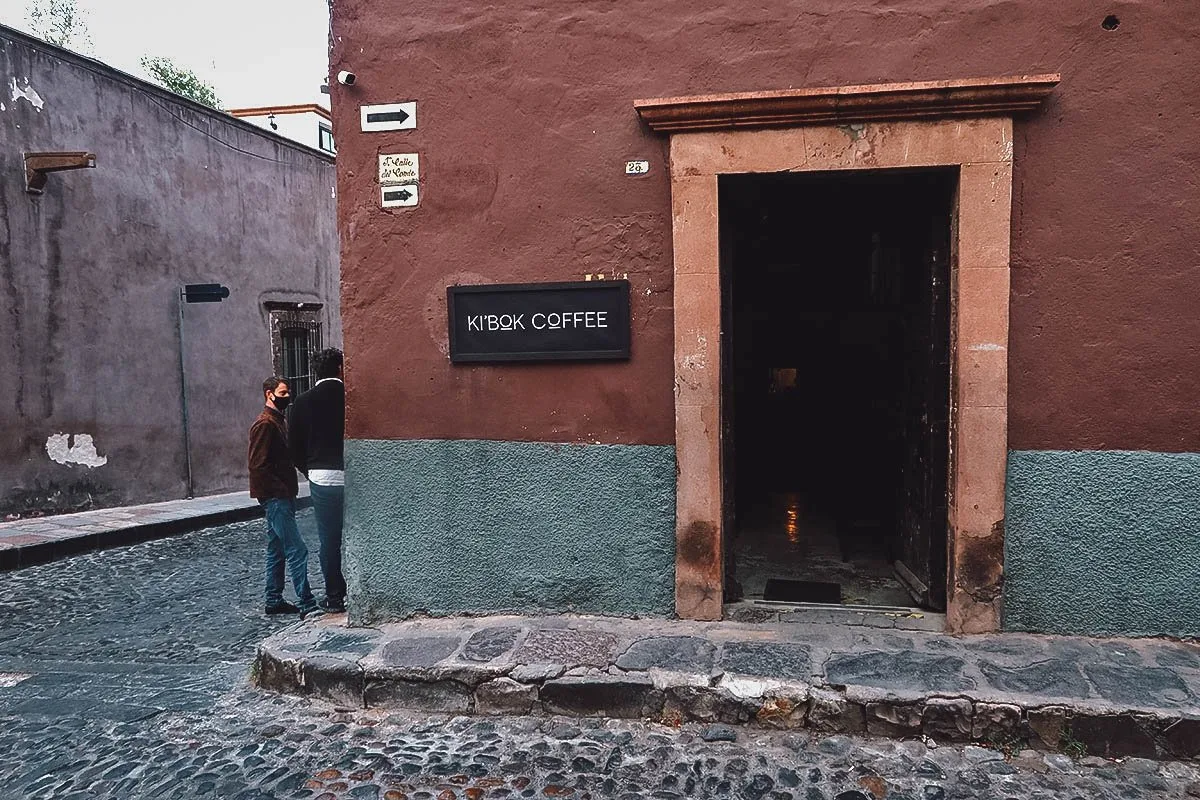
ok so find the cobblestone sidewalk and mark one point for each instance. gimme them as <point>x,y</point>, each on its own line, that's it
<point>37,540</point>
<point>252,748</point>
<point>1112,697</point>
<point>123,677</point>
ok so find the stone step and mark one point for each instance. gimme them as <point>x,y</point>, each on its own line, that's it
<point>1111,698</point>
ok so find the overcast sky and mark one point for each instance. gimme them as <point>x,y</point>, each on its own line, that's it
<point>255,52</point>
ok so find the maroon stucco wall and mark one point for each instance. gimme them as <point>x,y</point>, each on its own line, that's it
<point>525,120</point>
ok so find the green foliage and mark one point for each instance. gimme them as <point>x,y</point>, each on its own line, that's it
<point>1010,744</point>
<point>1070,746</point>
<point>255,672</point>
<point>59,22</point>
<point>180,80</point>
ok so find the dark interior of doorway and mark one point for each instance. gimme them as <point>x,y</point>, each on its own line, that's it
<point>836,385</point>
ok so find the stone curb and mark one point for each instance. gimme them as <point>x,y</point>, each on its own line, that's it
<point>28,555</point>
<point>676,698</point>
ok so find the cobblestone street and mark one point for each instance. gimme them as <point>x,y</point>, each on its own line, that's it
<point>123,674</point>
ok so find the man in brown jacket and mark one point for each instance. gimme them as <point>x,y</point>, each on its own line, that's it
<point>273,483</point>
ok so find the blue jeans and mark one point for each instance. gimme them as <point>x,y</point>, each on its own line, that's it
<point>284,542</point>
<point>328,502</point>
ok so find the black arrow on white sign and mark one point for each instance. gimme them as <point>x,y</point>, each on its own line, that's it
<point>399,115</point>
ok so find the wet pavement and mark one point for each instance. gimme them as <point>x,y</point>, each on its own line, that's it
<point>123,674</point>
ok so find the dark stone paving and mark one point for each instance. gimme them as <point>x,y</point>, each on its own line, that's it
<point>490,643</point>
<point>767,658</point>
<point>1125,687</point>
<point>683,653</point>
<point>419,652</point>
<point>357,643</point>
<point>1175,657</point>
<point>122,675</point>
<point>1052,677</point>
<point>568,647</point>
<point>905,671</point>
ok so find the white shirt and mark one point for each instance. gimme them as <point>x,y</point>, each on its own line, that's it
<point>327,477</point>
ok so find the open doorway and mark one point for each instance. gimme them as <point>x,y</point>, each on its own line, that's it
<point>836,385</point>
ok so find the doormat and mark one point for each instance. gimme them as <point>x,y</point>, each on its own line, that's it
<point>785,591</point>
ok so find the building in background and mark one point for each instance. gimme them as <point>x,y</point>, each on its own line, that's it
<point>308,124</point>
<point>91,265</point>
<point>911,309</point>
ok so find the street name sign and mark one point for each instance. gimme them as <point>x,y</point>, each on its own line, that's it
<point>399,168</point>
<point>572,321</point>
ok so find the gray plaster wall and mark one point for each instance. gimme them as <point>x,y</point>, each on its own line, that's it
<point>1103,542</point>
<point>472,526</point>
<point>89,273</point>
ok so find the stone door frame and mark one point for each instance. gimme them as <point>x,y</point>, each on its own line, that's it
<point>962,124</point>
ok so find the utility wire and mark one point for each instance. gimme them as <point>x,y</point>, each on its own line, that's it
<point>215,138</point>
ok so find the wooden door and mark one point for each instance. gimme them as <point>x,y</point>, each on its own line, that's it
<point>921,552</point>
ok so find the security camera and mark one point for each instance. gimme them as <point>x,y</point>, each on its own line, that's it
<point>346,78</point>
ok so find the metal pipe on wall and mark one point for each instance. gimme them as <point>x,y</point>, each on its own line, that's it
<point>187,442</point>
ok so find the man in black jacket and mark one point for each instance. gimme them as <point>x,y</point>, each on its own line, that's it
<point>316,428</point>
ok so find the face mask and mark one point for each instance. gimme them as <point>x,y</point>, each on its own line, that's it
<point>281,403</point>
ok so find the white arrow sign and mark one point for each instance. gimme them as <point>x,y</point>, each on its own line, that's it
<point>389,117</point>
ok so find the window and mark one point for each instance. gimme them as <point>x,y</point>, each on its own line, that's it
<point>295,337</point>
<point>325,137</point>
<point>297,360</point>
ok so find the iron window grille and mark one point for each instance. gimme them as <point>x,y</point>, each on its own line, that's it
<point>295,338</point>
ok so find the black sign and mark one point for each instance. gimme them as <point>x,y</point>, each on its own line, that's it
<point>585,320</point>
<point>205,292</point>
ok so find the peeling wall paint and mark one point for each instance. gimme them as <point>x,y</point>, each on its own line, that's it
<point>66,448</point>
<point>25,92</point>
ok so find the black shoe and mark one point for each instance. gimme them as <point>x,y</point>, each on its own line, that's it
<point>282,607</point>
<point>310,611</point>
<point>331,606</point>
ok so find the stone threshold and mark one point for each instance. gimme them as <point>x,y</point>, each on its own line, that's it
<point>1101,697</point>
<point>900,618</point>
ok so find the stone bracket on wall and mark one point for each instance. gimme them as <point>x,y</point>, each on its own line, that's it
<point>39,165</point>
<point>972,97</point>
<point>961,124</point>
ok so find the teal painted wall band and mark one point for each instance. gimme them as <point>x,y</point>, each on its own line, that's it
<point>1103,542</point>
<point>474,526</point>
